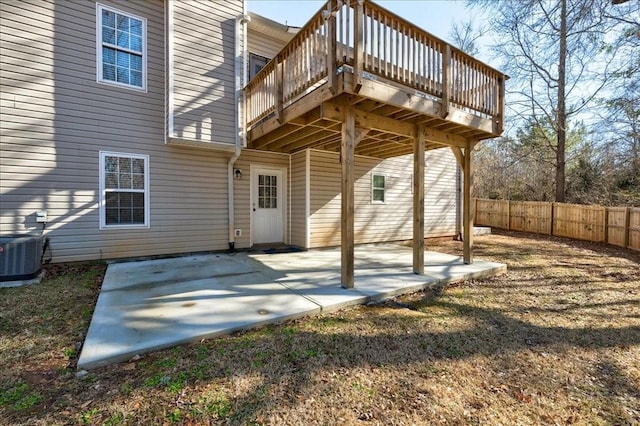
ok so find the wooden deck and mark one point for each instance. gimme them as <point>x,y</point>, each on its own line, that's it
<point>396,78</point>
<point>359,80</point>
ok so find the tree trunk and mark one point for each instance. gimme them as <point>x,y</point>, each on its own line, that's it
<point>561,111</point>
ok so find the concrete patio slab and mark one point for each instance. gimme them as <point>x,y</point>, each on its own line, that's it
<point>149,305</point>
<point>381,271</point>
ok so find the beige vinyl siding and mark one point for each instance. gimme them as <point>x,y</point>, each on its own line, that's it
<point>242,190</point>
<point>204,70</point>
<point>391,221</point>
<point>264,45</point>
<point>441,193</point>
<point>55,119</point>
<point>297,208</point>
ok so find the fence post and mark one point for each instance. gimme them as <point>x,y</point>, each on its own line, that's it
<point>553,217</point>
<point>627,227</point>
<point>475,209</point>
<point>508,215</point>
<point>605,225</point>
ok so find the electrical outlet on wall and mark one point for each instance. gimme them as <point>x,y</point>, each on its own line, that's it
<point>41,216</point>
<point>238,232</point>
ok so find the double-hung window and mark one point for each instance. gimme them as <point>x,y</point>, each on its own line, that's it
<point>121,48</point>
<point>124,190</point>
<point>377,188</point>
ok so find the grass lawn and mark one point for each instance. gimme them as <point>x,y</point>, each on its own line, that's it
<point>554,341</point>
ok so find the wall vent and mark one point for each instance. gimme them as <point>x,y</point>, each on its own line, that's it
<point>20,257</point>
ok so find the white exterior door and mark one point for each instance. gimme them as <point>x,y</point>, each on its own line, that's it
<point>267,187</point>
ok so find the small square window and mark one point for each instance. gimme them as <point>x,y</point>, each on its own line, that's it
<point>377,188</point>
<point>121,48</point>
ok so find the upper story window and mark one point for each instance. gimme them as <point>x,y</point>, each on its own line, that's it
<point>377,188</point>
<point>256,63</point>
<point>124,190</point>
<point>121,48</point>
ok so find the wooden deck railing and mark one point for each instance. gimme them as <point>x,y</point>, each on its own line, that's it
<point>374,41</point>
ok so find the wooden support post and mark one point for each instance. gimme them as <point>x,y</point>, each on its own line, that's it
<point>332,50</point>
<point>280,91</point>
<point>457,152</point>
<point>553,217</point>
<point>446,81</point>
<point>347,222</point>
<point>418,202</point>
<point>358,48</point>
<point>467,213</point>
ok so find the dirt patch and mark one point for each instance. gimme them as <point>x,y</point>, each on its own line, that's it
<point>556,340</point>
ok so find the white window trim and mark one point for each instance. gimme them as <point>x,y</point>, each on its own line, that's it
<point>383,188</point>
<point>253,57</point>
<point>102,198</point>
<point>99,79</point>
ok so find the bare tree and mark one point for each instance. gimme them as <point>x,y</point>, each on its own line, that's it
<point>465,35</point>
<point>553,52</point>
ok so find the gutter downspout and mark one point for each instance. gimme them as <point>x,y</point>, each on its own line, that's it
<point>240,69</point>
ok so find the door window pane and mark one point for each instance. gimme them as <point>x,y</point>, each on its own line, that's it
<point>267,192</point>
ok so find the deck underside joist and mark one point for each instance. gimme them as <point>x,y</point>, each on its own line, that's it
<point>391,113</point>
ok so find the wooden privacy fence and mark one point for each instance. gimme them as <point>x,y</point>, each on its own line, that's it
<point>613,225</point>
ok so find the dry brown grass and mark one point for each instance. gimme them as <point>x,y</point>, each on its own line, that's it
<point>554,341</point>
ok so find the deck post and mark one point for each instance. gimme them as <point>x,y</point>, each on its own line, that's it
<point>467,209</point>
<point>332,46</point>
<point>347,149</point>
<point>358,49</point>
<point>418,201</point>
<point>446,80</point>
<point>500,118</point>
<point>280,91</point>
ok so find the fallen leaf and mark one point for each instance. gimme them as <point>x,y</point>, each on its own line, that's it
<point>523,397</point>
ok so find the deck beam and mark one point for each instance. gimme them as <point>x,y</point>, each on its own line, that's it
<point>368,120</point>
<point>333,111</point>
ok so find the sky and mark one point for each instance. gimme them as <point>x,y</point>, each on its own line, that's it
<point>434,16</point>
